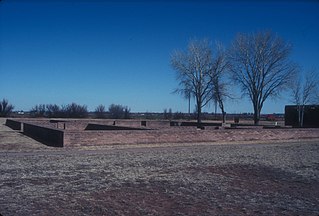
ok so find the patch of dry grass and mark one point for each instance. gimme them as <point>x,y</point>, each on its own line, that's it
<point>250,179</point>
<point>236,178</point>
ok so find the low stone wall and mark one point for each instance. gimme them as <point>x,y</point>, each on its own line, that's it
<point>193,124</point>
<point>85,138</point>
<point>100,132</point>
<point>48,136</point>
<point>157,124</point>
<point>39,122</point>
<point>111,127</point>
<point>15,125</point>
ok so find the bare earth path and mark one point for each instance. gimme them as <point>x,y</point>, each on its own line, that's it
<point>280,178</point>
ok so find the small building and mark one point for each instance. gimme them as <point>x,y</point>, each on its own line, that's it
<point>311,116</point>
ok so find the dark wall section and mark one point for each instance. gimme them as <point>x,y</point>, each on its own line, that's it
<point>48,136</point>
<point>193,124</point>
<point>110,127</point>
<point>15,125</point>
<point>311,116</point>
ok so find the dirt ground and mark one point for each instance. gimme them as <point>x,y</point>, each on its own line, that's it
<point>249,178</point>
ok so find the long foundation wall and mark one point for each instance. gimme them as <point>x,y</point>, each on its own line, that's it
<point>48,136</point>
<point>72,133</point>
<point>125,137</point>
<point>76,124</point>
<point>84,138</point>
<point>15,125</point>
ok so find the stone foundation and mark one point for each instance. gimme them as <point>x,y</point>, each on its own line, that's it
<point>72,133</point>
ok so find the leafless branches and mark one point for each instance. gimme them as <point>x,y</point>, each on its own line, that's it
<point>5,108</point>
<point>304,91</point>
<point>193,68</point>
<point>259,63</point>
<point>219,86</point>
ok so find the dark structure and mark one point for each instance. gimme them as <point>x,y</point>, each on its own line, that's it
<point>311,116</point>
<point>48,136</point>
<point>110,127</point>
<point>15,125</point>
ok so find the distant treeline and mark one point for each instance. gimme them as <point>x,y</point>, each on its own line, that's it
<point>74,110</point>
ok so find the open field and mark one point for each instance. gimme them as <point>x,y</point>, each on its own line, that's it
<point>234,178</point>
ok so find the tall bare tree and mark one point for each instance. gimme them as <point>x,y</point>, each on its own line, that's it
<point>304,92</point>
<point>219,85</point>
<point>259,63</point>
<point>193,68</point>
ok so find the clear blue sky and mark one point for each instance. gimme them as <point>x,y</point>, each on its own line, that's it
<point>104,52</point>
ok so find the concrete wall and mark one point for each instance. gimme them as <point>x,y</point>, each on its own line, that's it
<point>48,136</point>
<point>75,135</point>
<point>141,137</point>
<point>15,125</point>
<point>110,127</point>
<point>85,138</point>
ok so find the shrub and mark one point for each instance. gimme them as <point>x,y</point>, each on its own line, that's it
<point>5,108</point>
<point>38,110</point>
<point>179,115</point>
<point>53,111</point>
<point>119,111</point>
<point>100,111</point>
<point>75,111</point>
<point>168,114</point>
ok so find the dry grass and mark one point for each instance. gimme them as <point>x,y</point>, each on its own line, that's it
<point>197,179</point>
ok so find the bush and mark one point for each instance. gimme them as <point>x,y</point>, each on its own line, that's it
<point>168,114</point>
<point>53,111</point>
<point>5,108</point>
<point>100,111</point>
<point>179,115</point>
<point>38,111</point>
<point>127,112</point>
<point>75,111</point>
<point>119,111</point>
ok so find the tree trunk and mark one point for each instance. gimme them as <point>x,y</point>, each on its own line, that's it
<point>199,115</point>
<point>299,115</point>
<point>221,106</point>
<point>224,116</point>
<point>256,115</point>
<point>302,115</point>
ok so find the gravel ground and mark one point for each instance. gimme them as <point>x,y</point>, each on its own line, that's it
<point>236,178</point>
<point>250,179</point>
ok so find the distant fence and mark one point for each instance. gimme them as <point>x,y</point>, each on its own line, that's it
<point>48,136</point>
<point>15,125</point>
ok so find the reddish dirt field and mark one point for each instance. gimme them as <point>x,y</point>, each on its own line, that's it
<point>247,178</point>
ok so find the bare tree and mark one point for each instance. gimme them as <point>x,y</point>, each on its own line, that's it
<point>304,92</point>
<point>119,111</point>
<point>38,110</point>
<point>259,63</point>
<point>74,110</point>
<point>5,108</point>
<point>100,111</point>
<point>193,68</point>
<point>220,89</point>
<point>53,111</point>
